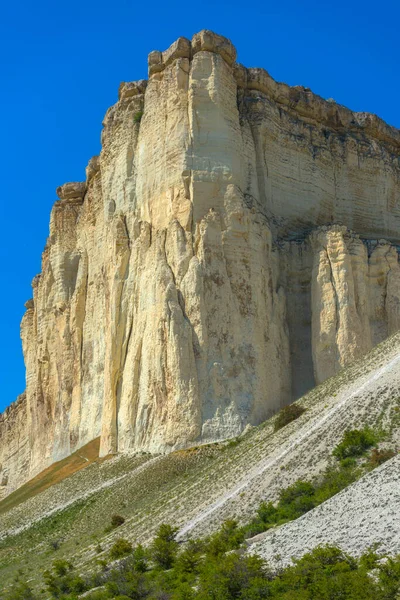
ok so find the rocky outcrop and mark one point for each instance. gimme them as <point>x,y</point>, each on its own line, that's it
<point>195,283</point>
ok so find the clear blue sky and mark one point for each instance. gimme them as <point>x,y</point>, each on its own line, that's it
<point>61,64</point>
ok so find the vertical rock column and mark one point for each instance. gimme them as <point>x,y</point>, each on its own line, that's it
<point>151,399</point>
<point>355,297</point>
<point>230,291</point>
<point>339,331</point>
<point>118,178</point>
<point>201,317</point>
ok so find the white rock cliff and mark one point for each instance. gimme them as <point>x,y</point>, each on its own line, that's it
<point>206,273</point>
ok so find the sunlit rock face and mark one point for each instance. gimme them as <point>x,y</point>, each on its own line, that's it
<point>225,253</point>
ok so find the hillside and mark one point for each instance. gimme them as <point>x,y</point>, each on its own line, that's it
<point>197,488</point>
<point>365,515</point>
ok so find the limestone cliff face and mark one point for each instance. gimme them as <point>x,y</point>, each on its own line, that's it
<point>355,298</point>
<point>195,282</point>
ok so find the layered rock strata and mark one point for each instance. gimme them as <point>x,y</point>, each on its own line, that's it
<point>205,273</point>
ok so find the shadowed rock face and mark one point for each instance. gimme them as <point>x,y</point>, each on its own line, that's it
<point>206,272</point>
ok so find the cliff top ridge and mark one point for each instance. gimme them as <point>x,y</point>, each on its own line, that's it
<point>297,99</point>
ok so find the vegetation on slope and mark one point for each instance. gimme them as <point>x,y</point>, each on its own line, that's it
<point>215,568</point>
<point>303,496</point>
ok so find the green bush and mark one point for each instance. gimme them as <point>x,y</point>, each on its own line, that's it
<point>232,576</point>
<point>117,521</point>
<point>61,581</point>
<point>216,568</point>
<point>229,537</point>
<point>190,559</point>
<point>62,567</point>
<point>234,442</point>
<point>355,442</point>
<point>325,574</point>
<point>335,479</point>
<point>137,117</point>
<point>77,585</point>
<point>140,559</point>
<point>165,547</point>
<point>303,496</point>
<point>294,501</point>
<point>287,415</point>
<point>124,581</point>
<point>120,548</point>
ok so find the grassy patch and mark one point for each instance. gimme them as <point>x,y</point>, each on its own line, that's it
<point>120,548</point>
<point>56,473</point>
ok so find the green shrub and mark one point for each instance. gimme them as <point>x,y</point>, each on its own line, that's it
<point>296,500</point>
<point>61,581</point>
<point>78,585</point>
<point>200,573</point>
<point>191,557</point>
<point>336,478</point>
<point>348,462</point>
<point>267,512</point>
<point>165,547</point>
<point>232,576</point>
<point>120,548</point>
<point>229,537</point>
<point>325,574</point>
<point>137,117</point>
<point>287,415</point>
<point>266,517</point>
<point>117,521</point>
<point>355,442</point>
<point>140,559</point>
<point>61,567</point>
<point>122,581</point>
<point>102,564</point>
